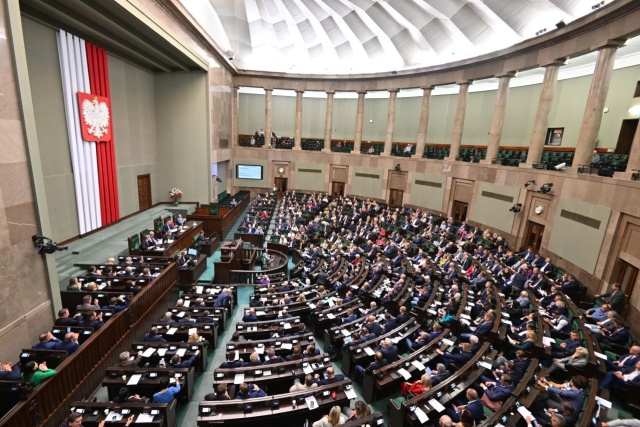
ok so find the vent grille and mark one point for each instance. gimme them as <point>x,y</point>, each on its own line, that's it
<point>581,219</point>
<point>428,183</point>
<point>497,196</point>
<point>224,143</point>
<point>367,175</point>
<point>310,170</point>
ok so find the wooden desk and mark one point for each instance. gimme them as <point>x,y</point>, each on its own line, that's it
<point>220,224</point>
<point>181,240</point>
<point>208,331</point>
<point>83,333</point>
<point>164,414</point>
<point>149,383</point>
<point>171,348</point>
<point>233,411</point>
<point>52,357</point>
<point>191,274</point>
<point>245,348</point>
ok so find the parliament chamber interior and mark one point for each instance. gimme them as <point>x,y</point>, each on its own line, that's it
<point>320,213</point>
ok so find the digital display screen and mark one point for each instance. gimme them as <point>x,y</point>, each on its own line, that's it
<point>249,172</point>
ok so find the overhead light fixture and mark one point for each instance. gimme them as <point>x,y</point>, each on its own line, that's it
<point>516,208</point>
<point>530,182</point>
<point>546,188</point>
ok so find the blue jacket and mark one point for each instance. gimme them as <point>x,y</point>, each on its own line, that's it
<point>250,318</point>
<point>69,347</point>
<point>475,406</point>
<point>499,393</point>
<point>389,353</point>
<point>251,394</point>
<point>49,345</point>
<point>483,329</point>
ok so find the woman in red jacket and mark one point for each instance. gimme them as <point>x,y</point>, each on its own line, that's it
<point>418,387</point>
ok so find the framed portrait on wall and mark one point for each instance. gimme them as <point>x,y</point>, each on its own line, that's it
<point>554,137</point>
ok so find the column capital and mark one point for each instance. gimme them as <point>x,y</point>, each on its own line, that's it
<point>393,90</point>
<point>266,89</point>
<point>299,91</point>
<point>330,92</point>
<point>361,92</point>
<point>464,82</point>
<point>427,88</point>
<point>508,74</point>
<point>615,43</point>
<point>558,62</point>
<point>236,87</point>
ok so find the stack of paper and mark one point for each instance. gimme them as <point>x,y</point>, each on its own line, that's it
<point>134,379</point>
<point>436,405</point>
<point>181,352</point>
<point>369,351</point>
<point>405,374</point>
<point>419,366</point>
<point>287,345</point>
<point>172,331</point>
<point>144,418</point>
<point>422,417</point>
<point>149,352</point>
<point>238,379</point>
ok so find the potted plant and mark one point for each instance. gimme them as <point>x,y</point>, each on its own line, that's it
<point>176,195</point>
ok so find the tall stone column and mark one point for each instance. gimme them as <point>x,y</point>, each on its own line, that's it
<point>328,121</point>
<point>424,121</point>
<point>541,123</point>
<point>592,118</point>
<point>357,139</point>
<point>267,116</point>
<point>634,157</point>
<point>297,133</point>
<point>458,123</point>
<point>498,117</point>
<point>391,116</point>
<point>235,141</point>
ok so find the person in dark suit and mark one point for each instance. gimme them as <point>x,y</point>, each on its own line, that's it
<point>619,335</point>
<point>250,316</point>
<point>249,391</point>
<point>459,359</point>
<point>177,362</point>
<point>232,362</point>
<point>378,362</point>
<point>440,374</point>
<point>46,342</point>
<point>10,372</point>
<point>498,391</point>
<point>153,336</point>
<point>273,359</point>
<point>389,350</point>
<point>64,319</point>
<point>616,298</point>
<point>69,343</point>
<point>567,347</point>
<point>223,298</point>
<point>91,320</point>
<point>254,360</point>
<point>474,405</point>
<point>330,377</point>
<point>221,393</point>
<point>626,360</point>
<point>389,323</point>
<point>628,375</point>
<point>351,316</point>
<point>372,326</point>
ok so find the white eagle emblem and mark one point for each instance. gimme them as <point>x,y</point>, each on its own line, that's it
<point>96,117</point>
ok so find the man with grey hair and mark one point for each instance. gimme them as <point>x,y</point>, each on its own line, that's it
<point>126,361</point>
<point>167,318</point>
<point>388,350</point>
<point>445,421</point>
<point>440,374</point>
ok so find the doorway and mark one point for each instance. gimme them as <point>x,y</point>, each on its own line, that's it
<point>144,192</point>
<point>337,189</point>
<point>627,277</point>
<point>625,138</point>
<point>533,235</point>
<point>281,185</point>
<point>460,211</point>
<point>395,197</point>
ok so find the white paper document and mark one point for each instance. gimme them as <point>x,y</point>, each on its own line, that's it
<point>172,331</point>
<point>187,303</point>
<point>331,316</point>
<point>312,403</point>
<point>144,418</point>
<point>307,369</point>
<point>405,374</point>
<point>287,345</point>
<point>181,352</point>
<point>114,416</point>
<point>369,351</point>
<point>149,352</point>
<point>162,352</point>
<point>351,393</point>
<point>193,331</point>
<point>600,355</point>
<point>134,379</point>
<point>547,341</point>
<point>259,350</point>
<point>436,405</point>
<point>603,402</point>
<point>447,341</point>
<point>238,379</point>
<point>422,417</point>
<point>345,332</point>
<point>485,365</point>
<point>287,326</point>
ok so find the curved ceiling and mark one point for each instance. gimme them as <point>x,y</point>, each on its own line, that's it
<point>368,36</point>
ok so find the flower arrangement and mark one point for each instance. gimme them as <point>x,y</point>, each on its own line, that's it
<point>176,194</point>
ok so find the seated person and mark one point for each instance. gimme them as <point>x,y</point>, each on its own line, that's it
<point>10,372</point>
<point>330,377</point>
<point>34,373</point>
<point>496,393</point>
<point>221,393</point>
<point>627,375</point>
<point>251,316</point>
<point>378,362</point>
<point>167,394</point>
<point>439,374</point>
<point>474,405</point>
<point>459,359</point>
<point>125,396</point>
<point>69,343</point>
<point>153,336</point>
<point>307,384</point>
<point>46,342</point>
<point>417,387</point>
<point>578,360</point>
<point>249,391</point>
<point>271,357</point>
<point>177,362</point>
<point>335,417</point>
<point>567,347</point>
<point>64,319</point>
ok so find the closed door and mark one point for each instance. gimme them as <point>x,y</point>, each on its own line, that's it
<point>395,198</point>
<point>460,211</point>
<point>144,191</point>
<point>337,189</point>
<point>533,235</point>
<point>281,185</point>
<point>627,277</point>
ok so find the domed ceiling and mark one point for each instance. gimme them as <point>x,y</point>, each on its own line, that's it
<point>369,36</point>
